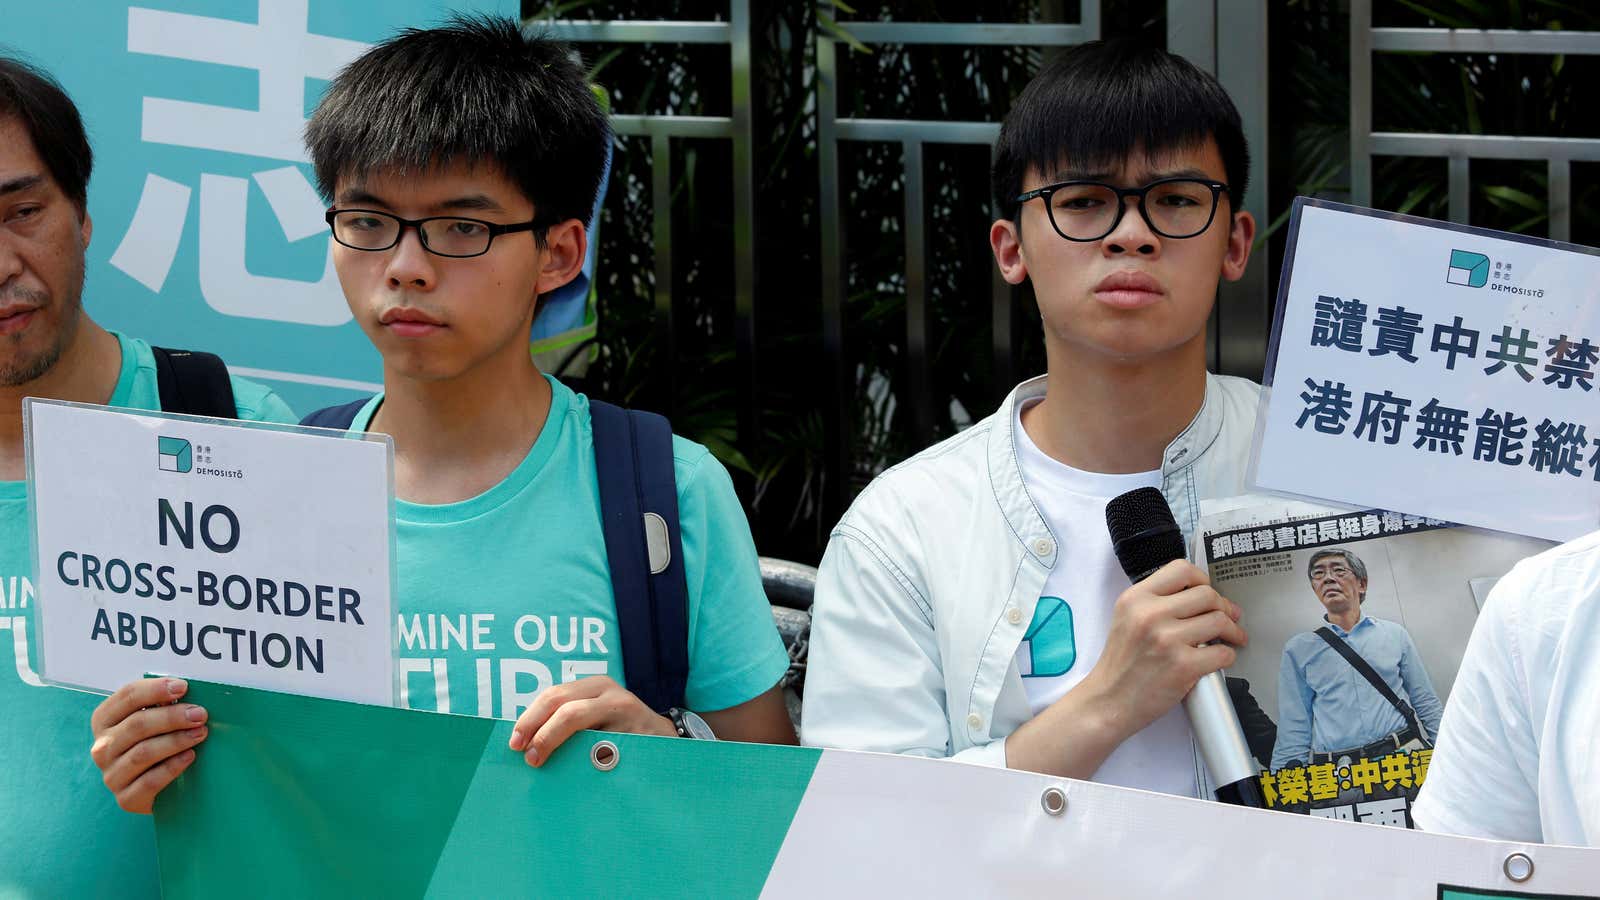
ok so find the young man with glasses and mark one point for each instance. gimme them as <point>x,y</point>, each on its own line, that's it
<point>462,163</point>
<point>970,604</point>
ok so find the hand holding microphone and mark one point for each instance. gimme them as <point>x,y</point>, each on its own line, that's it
<point>1171,635</point>
<point>1158,646</point>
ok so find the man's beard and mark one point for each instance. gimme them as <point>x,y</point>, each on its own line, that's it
<point>17,369</point>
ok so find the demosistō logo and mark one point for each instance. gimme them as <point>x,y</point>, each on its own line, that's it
<point>174,454</point>
<point>177,455</point>
<point>1469,268</point>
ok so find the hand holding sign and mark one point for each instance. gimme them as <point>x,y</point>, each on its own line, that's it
<point>563,710</point>
<point>144,738</point>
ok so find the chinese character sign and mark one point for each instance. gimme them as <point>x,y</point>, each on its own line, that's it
<point>208,232</point>
<point>1437,369</point>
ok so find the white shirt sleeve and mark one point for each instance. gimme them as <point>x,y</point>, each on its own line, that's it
<point>1484,775</point>
<point>874,677</point>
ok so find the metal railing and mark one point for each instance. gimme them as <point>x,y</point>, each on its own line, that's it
<point>739,128</point>
<point>1228,38</point>
<point>1460,149</point>
<point>1236,54</point>
<point>912,135</point>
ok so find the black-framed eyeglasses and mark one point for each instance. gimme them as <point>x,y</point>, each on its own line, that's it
<point>1089,210</point>
<point>453,236</point>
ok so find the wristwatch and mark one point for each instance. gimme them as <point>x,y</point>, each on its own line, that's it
<point>690,725</point>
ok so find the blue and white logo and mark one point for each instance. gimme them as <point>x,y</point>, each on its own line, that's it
<point>1049,647</point>
<point>1468,269</point>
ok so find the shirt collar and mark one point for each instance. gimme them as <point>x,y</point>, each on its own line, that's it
<point>1005,472</point>
<point>1005,475</point>
<point>1360,623</point>
<point>1192,442</point>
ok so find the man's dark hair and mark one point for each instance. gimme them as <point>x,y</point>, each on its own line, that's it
<point>29,95</point>
<point>1098,102</point>
<point>475,90</point>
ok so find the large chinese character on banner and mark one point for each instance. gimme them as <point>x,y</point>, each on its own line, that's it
<point>208,232</point>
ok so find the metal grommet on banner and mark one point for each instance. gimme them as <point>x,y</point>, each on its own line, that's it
<point>1054,801</point>
<point>604,755</point>
<point>1519,867</point>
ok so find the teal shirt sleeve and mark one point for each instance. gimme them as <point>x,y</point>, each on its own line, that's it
<point>259,403</point>
<point>735,653</point>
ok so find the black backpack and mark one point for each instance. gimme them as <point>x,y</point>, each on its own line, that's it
<point>193,383</point>
<point>639,510</point>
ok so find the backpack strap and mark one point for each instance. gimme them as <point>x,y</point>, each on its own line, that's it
<point>195,384</point>
<point>1356,662</point>
<point>339,417</point>
<point>639,512</point>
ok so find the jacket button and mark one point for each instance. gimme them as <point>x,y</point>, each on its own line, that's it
<point>974,721</point>
<point>1014,616</point>
<point>1043,546</point>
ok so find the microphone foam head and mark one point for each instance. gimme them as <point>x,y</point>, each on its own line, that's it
<point>1144,534</point>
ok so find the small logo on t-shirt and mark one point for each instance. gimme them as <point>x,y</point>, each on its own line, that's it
<point>1049,647</point>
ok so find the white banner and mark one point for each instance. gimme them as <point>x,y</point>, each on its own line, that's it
<point>1436,369</point>
<point>882,826</point>
<point>250,554</point>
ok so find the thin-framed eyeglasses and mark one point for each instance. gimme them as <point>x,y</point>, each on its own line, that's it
<point>1174,208</point>
<point>454,236</point>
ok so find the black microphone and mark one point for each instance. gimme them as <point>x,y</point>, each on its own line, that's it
<point>1145,537</point>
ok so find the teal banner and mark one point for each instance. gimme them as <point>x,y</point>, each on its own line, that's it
<point>299,797</point>
<point>208,233</point>
<point>295,796</point>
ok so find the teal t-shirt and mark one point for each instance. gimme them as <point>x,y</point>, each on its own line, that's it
<point>507,593</point>
<point>64,834</point>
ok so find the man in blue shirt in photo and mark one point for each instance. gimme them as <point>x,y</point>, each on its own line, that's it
<point>1356,687</point>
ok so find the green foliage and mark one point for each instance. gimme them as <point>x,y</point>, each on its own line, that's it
<point>1436,93</point>
<point>697,376</point>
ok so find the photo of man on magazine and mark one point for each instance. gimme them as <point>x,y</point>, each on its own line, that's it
<point>1358,620</point>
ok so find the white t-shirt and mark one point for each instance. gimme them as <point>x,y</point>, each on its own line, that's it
<point>1516,757</point>
<point>1073,618</point>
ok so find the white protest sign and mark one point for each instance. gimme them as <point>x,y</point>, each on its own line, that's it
<point>1435,369</point>
<point>247,554</point>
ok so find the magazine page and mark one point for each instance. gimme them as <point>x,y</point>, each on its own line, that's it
<point>1357,620</point>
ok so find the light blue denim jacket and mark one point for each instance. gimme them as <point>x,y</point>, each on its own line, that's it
<point>931,578</point>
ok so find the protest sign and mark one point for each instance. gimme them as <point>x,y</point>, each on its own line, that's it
<point>1438,369</point>
<point>251,554</point>
<point>1400,591</point>
<point>464,816</point>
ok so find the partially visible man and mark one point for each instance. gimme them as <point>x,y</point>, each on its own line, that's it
<point>1516,753</point>
<point>1356,686</point>
<point>65,835</point>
